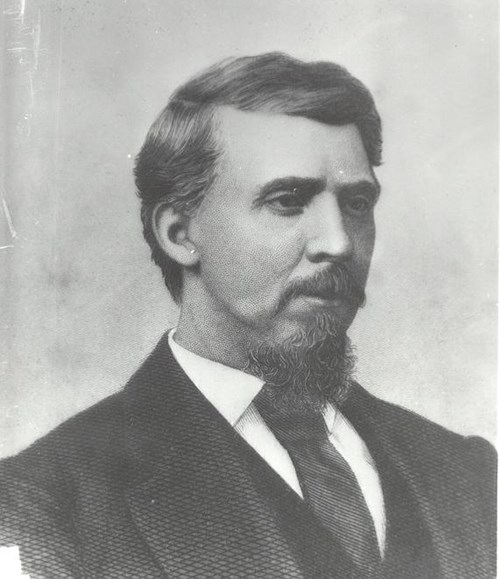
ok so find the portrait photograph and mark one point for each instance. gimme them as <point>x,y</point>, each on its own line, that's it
<point>249,269</point>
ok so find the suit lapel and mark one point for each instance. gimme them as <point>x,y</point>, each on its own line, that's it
<point>193,498</point>
<point>436,477</point>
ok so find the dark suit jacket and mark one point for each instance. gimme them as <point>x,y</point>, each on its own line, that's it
<point>152,483</point>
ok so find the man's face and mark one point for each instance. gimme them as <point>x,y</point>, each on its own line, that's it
<point>292,198</point>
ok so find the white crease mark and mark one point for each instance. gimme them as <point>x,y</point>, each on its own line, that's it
<point>58,97</point>
<point>36,34</point>
<point>29,74</point>
<point>17,13</point>
<point>28,49</point>
<point>22,8</point>
<point>8,216</point>
<point>5,246</point>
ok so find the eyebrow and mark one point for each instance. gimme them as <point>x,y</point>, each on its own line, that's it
<point>308,187</point>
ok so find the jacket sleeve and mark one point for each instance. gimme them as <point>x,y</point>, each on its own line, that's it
<point>32,519</point>
<point>483,459</point>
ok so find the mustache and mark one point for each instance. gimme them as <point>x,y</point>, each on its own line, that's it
<point>334,282</point>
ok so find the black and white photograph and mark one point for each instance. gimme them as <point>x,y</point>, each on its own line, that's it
<point>249,286</point>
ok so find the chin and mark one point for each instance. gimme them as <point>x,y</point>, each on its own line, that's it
<point>307,362</point>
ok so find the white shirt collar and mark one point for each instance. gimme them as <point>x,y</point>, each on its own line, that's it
<point>229,390</point>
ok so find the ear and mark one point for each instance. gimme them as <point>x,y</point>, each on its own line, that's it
<point>170,228</point>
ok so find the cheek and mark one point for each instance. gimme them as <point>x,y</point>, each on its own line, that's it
<point>370,243</point>
<point>367,240</point>
<point>247,258</point>
<point>363,239</point>
<point>364,242</point>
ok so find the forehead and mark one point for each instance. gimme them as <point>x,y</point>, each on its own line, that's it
<point>262,146</point>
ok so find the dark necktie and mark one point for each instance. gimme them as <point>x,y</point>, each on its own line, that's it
<point>330,487</point>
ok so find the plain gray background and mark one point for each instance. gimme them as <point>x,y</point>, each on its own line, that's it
<point>82,81</point>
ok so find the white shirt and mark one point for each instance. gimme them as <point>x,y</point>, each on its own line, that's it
<point>232,391</point>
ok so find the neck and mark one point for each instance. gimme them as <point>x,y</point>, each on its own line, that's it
<point>201,332</point>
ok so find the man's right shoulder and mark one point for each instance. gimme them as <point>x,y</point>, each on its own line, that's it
<point>100,431</point>
<point>92,433</point>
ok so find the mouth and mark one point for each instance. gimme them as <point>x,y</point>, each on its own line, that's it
<point>306,306</point>
<point>334,289</point>
<point>323,300</point>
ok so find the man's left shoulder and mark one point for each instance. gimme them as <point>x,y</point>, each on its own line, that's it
<point>424,437</point>
<point>426,441</point>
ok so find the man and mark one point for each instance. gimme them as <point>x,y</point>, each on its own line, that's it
<point>242,447</point>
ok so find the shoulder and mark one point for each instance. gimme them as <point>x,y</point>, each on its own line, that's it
<point>424,441</point>
<point>105,439</point>
<point>104,442</point>
<point>424,428</point>
<point>79,446</point>
<point>40,486</point>
<point>438,449</point>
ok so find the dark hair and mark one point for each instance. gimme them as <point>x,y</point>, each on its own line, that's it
<point>177,162</point>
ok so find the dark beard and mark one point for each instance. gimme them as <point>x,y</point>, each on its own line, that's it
<point>309,369</point>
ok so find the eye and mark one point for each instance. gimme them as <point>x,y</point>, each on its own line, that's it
<point>359,204</point>
<point>286,202</point>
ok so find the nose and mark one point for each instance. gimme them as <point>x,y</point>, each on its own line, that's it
<point>327,237</point>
